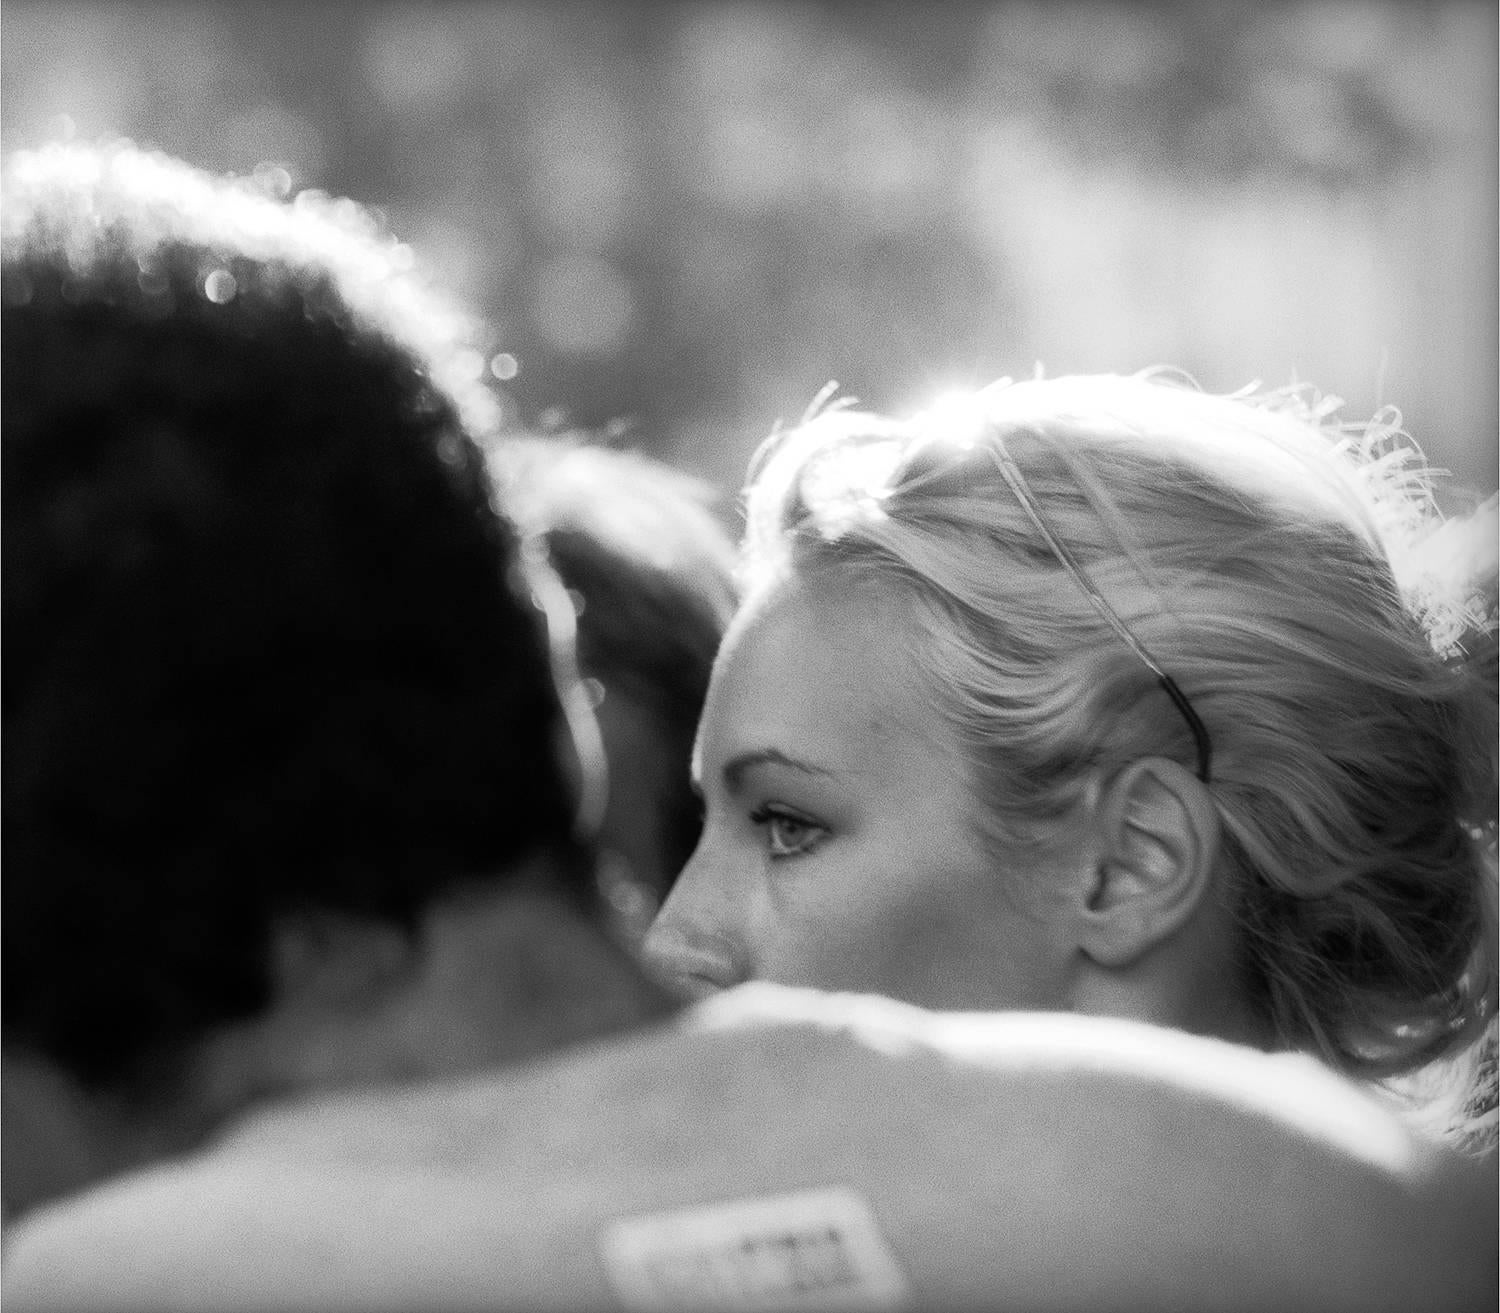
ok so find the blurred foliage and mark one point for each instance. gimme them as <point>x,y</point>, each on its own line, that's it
<point>682,219</point>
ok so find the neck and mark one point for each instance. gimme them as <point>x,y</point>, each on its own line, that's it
<point>1208,1010</point>
<point>1224,1014</point>
<point>58,1138</point>
<point>572,984</point>
<point>492,978</point>
<point>499,980</point>
<point>1203,986</point>
<point>1184,984</point>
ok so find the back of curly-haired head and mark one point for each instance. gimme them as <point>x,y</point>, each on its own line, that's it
<point>266,652</point>
<point>1286,572</point>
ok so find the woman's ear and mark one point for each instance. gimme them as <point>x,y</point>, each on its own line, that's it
<point>1157,840</point>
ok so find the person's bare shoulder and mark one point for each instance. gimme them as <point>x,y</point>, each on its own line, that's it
<point>1026,1162</point>
<point>1088,1162</point>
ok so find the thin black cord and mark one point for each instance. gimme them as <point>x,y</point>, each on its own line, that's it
<point>1011,473</point>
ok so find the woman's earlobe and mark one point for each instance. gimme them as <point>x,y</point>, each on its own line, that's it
<point>1158,838</point>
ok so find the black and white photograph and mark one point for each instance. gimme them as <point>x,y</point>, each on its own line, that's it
<point>750,655</point>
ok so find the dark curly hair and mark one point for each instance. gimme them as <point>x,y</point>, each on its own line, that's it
<point>267,647</point>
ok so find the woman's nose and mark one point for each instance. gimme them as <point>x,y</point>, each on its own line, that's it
<point>688,952</point>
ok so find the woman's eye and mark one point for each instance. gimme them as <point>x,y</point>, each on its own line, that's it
<point>787,835</point>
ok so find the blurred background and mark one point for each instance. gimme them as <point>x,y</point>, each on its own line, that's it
<point>683,219</point>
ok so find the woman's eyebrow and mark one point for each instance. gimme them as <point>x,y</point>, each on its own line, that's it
<point>735,768</point>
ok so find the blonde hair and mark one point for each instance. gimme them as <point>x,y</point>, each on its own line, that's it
<point>1294,578</point>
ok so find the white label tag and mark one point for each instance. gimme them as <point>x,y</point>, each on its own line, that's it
<point>816,1249</point>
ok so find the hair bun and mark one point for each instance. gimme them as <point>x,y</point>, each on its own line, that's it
<point>1452,575</point>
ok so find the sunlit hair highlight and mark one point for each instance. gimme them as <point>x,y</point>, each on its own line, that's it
<point>65,201</point>
<point>1294,577</point>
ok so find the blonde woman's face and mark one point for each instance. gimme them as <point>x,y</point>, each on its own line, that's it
<point>840,848</point>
